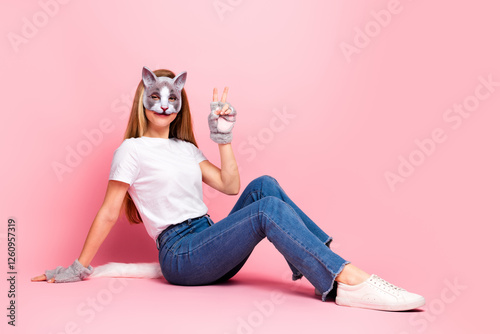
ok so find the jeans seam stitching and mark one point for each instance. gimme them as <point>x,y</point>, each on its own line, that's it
<point>218,235</point>
<point>177,241</point>
<point>250,193</point>
<point>298,243</point>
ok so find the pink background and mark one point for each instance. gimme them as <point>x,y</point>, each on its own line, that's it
<point>350,119</point>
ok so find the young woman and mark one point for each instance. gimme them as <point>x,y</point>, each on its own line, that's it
<point>156,176</point>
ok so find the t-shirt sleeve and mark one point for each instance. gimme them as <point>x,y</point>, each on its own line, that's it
<point>124,166</point>
<point>198,154</point>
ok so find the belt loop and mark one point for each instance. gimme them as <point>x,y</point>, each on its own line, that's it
<point>209,220</point>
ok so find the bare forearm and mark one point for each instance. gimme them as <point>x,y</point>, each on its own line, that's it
<point>98,232</point>
<point>229,169</point>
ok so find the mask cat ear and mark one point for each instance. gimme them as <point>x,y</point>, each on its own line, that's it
<point>148,77</point>
<point>180,80</point>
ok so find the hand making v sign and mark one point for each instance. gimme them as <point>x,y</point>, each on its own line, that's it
<point>221,119</point>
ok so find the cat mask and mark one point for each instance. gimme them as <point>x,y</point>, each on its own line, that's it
<point>162,94</point>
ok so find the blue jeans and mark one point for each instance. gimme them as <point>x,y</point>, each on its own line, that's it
<point>199,252</point>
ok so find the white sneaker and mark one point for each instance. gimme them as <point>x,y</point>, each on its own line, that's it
<point>377,294</point>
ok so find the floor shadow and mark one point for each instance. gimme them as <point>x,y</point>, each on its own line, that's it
<point>297,288</point>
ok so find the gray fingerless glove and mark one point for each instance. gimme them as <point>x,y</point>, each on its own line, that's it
<point>75,272</point>
<point>221,126</point>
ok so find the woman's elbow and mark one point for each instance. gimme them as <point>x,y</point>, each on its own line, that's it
<point>233,191</point>
<point>108,216</point>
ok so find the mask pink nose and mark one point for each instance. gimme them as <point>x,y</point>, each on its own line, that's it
<point>164,108</point>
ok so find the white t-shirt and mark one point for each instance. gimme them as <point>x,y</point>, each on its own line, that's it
<point>164,177</point>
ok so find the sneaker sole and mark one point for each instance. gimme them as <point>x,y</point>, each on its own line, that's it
<point>403,307</point>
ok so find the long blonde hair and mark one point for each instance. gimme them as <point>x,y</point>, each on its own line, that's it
<point>181,128</point>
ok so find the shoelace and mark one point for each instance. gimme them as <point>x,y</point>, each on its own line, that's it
<point>386,284</point>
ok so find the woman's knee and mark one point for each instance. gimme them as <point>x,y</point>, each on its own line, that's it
<point>278,211</point>
<point>265,180</point>
<point>272,205</point>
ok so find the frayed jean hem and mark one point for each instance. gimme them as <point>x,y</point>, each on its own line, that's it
<point>323,296</point>
<point>298,275</point>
